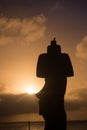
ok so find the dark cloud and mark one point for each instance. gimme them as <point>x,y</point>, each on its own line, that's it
<point>80,102</point>
<point>73,105</point>
<point>26,104</point>
<point>18,104</point>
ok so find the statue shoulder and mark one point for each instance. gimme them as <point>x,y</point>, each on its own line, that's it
<point>43,55</point>
<point>65,54</point>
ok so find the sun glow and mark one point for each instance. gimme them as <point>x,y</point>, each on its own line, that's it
<point>31,89</point>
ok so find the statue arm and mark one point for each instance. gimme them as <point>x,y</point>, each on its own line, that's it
<point>68,68</point>
<point>40,69</point>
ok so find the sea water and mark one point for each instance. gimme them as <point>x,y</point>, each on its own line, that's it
<point>71,125</point>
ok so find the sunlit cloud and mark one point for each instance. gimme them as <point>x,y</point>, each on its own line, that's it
<point>2,88</point>
<point>81,49</point>
<point>14,30</point>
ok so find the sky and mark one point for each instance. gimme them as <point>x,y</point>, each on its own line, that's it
<point>26,29</point>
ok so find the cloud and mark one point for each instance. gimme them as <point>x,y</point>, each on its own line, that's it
<point>78,103</point>
<point>81,49</point>
<point>14,30</point>
<point>2,87</point>
<point>18,104</point>
<point>58,6</point>
<point>11,104</point>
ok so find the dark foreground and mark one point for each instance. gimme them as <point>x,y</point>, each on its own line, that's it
<point>71,125</point>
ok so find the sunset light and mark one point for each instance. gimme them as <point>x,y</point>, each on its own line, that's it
<point>30,29</point>
<point>31,89</point>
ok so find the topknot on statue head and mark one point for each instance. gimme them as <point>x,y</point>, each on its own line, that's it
<point>53,48</point>
<point>53,42</point>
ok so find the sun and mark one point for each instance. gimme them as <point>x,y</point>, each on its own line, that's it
<point>30,89</point>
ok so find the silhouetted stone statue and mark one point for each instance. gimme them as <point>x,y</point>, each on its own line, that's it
<point>55,67</point>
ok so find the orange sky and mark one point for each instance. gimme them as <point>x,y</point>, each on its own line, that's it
<point>26,32</point>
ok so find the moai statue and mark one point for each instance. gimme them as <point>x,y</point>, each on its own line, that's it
<point>54,66</point>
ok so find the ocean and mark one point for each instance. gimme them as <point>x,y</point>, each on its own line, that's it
<point>71,125</point>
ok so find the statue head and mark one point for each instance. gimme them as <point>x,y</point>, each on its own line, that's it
<point>54,48</point>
